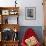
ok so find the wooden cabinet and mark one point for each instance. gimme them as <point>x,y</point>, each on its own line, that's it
<point>9,23</point>
<point>10,43</point>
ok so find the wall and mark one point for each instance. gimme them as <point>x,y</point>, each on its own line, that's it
<point>7,3</point>
<point>39,13</point>
<point>25,3</point>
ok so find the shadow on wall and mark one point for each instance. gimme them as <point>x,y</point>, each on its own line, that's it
<point>37,29</point>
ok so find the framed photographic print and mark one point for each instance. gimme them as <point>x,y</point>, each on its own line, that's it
<point>30,13</point>
<point>5,12</point>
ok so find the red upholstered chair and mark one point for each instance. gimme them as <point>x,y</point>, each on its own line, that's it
<point>29,33</point>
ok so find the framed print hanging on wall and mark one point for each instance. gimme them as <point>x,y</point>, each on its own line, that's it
<point>30,13</point>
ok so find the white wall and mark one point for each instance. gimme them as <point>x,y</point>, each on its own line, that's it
<point>27,3</point>
<point>7,3</point>
<point>39,13</point>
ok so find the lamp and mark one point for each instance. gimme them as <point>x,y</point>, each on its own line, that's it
<point>15,3</point>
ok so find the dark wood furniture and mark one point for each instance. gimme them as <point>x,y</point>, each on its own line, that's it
<point>4,13</point>
<point>10,43</point>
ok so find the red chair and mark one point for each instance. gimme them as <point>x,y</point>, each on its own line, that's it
<point>29,33</point>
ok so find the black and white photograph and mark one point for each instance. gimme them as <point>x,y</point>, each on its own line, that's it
<point>30,13</point>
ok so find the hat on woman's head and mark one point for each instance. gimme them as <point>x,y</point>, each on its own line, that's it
<point>29,33</point>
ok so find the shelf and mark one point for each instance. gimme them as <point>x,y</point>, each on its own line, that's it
<point>9,10</point>
<point>10,26</point>
<point>6,12</point>
<point>8,15</point>
<point>5,8</point>
<point>11,41</point>
<point>9,19</point>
